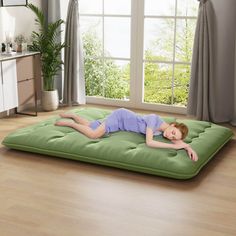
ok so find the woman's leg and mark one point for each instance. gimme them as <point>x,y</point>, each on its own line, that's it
<point>84,129</point>
<point>76,118</point>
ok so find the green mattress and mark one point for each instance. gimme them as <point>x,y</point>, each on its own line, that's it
<point>122,149</point>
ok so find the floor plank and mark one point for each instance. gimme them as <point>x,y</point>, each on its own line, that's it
<point>42,195</point>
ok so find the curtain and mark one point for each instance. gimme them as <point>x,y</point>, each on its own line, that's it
<point>201,103</point>
<point>54,14</point>
<point>74,83</point>
<point>233,121</point>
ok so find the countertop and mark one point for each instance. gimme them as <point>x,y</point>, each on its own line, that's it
<point>14,55</point>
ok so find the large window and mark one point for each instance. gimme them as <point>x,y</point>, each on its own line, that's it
<point>138,52</point>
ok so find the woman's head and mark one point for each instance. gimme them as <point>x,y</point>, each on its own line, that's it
<point>176,131</point>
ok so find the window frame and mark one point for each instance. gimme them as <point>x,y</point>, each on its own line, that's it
<point>137,61</point>
<point>103,100</point>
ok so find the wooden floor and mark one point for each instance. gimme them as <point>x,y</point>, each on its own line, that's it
<point>46,196</point>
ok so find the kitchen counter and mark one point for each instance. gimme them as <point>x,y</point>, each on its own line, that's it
<point>9,56</point>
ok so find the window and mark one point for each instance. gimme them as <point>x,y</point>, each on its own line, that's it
<point>106,32</point>
<point>168,39</point>
<point>138,52</point>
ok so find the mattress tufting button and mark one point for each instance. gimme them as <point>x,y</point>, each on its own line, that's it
<point>172,153</point>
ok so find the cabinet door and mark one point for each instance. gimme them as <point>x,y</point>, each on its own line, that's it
<point>26,94</point>
<point>1,90</point>
<point>26,80</point>
<point>10,95</point>
<point>29,68</point>
<point>25,68</point>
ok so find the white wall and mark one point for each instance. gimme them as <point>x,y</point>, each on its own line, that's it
<point>18,20</point>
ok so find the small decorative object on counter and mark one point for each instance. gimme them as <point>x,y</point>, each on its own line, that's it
<point>8,35</point>
<point>20,40</point>
<point>3,47</point>
<point>8,48</point>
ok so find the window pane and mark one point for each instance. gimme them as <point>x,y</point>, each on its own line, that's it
<point>160,7</point>
<point>94,76</point>
<point>158,83</point>
<point>90,7</point>
<point>187,7</point>
<point>107,78</point>
<point>159,39</point>
<point>184,39</point>
<point>117,37</point>
<point>117,82</point>
<point>121,7</point>
<point>91,30</point>
<point>181,84</point>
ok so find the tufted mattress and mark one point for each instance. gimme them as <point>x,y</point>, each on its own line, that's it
<point>122,149</point>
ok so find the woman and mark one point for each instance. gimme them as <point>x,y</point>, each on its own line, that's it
<point>126,120</point>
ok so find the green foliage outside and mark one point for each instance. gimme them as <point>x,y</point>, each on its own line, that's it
<point>105,78</point>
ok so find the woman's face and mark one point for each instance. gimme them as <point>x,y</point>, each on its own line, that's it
<point>172,133</point>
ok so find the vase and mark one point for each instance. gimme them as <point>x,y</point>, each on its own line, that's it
<point>19,48</point>
<point>50,100</point>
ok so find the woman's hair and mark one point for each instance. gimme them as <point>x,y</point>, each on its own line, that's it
<point>182,128</point>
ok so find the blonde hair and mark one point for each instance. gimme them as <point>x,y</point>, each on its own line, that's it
<point>182,128</point>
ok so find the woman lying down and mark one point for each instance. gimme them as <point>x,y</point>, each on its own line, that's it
<point>126,120</point>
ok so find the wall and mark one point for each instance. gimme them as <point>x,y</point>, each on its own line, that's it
<point>18,20</point>
<point>224,49</point>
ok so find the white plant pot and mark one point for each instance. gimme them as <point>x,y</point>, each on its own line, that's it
<point>50,100</point>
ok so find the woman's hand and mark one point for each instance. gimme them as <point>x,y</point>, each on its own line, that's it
<point>191,153</point>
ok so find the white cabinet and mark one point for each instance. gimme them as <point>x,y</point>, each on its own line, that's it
<point>1,90</point>
<point>8,87</point>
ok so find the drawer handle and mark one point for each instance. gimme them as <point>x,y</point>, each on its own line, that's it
<point>25,80</point>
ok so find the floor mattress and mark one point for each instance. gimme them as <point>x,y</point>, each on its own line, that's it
<point>122,149</point>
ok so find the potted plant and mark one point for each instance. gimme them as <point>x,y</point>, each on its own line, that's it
<point>46,42</point>
<point>19,40</point>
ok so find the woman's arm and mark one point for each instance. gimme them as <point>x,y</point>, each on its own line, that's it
<point>175,145</point>
<point>156,144</point>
